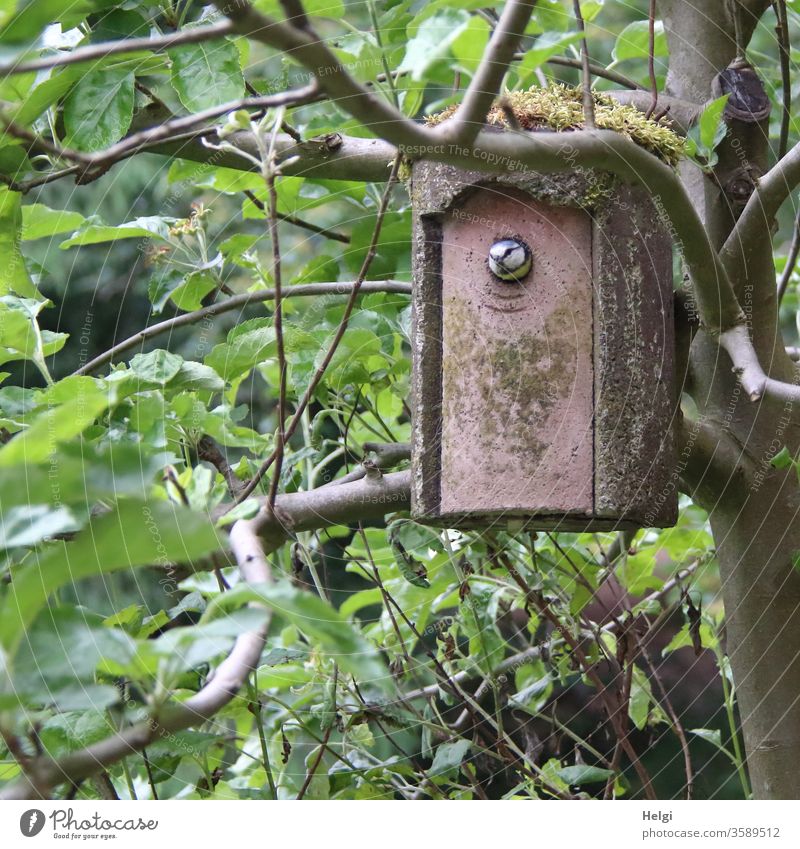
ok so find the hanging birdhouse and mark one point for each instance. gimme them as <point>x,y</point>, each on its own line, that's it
<point>542,353</point>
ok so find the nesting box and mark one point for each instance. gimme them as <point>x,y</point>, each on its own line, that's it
<point>543,396</point>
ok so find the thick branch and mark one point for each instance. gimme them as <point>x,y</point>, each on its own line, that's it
<point>759,214</point>
<point>306,48</point>
<point>332,157</point>
<point>370,498</point>
<point>177,126</point>
<point>757,384</point>
<point>45,773</point>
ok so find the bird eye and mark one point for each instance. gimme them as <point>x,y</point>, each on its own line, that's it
<point>510,260</point>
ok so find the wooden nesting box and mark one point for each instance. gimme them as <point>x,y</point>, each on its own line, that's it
<point>547,401</point>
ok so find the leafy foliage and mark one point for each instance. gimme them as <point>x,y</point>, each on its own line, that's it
<point>399,659</point>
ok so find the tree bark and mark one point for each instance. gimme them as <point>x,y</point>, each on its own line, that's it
<point>753,507</point>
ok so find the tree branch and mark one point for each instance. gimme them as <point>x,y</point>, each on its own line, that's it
<point>485,85</point>
<point>93,52</point>
<point>596,69</point>
<point>237,302</point>
<point>168,131</point>
<point>332,157</point>
<point>306,48</point>
<point>370,498</point>
<point>44,773</point>
<point>337,337</point>
<point>755,382</point>
<point>760,211</point>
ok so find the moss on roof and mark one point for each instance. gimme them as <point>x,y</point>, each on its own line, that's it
<point>559,107</point>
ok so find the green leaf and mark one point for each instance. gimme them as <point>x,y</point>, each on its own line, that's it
<point>683,639</point>
<point>314,8</point>
<point>29,524</point>
<point>14,276</point>
<point>182,649</point>
<point>136,533</point>
<point>470,43</point>
<point>432,40</point>
<point>634,42</point>
<point>22,21</point>
<point>45,94</point>
<point>98,111</point>
<point>783,459</point>
<point>551,15</point>
<point>93,231</point>
<point>61,652</point>
<point>325,626</point>
<point>712,127</point>
<point>710,735</point>
<point>39,221</point>
<point>206,74</point>
<point>247,509</point>
<point>584,774</point>
<point>73,730</point>
<point>546,45</point>
<point>18,340</point>
<point>449,756</point>
<point>590,9</point>
<point>196,377</point>
<point>641,698</point>
<point>57,423</point>
<point>636,573</point>
<point>157,366</point>
<point>243,350</point>
<point>84,475</point>
<point>185,290</point>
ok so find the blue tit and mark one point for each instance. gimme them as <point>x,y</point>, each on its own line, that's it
<point>510,260</point>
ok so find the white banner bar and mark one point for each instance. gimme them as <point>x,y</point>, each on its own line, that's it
<point>225,824</point>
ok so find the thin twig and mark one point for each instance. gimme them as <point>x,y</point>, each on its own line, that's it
<point>298,222</point>
<point>340,331</point>
<point>588,97</point>
<point>791,260</point>
<point>782,31</point>
<point>268,169</point>
<point>114,48</point>
<point>651,59</point>
<point>597,70</point>
<point>240,302</point>
<point>543,607</point>
<point>295,14</point>
<point>149,770</point>
<point>89,166</point>
<point>24,186</point>
<point>174,129</point>
<point>448,682</point>
<point>677,726</point>
<point>208,450</point>
<point>327,736</point>
<point>256,710</point>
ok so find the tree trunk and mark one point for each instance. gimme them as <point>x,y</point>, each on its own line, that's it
<point>753,508</point>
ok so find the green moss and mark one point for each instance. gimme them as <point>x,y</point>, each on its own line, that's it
<point>559,107</point>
